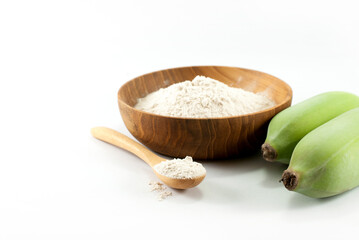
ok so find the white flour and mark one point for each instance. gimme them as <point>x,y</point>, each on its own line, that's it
<point>156,186</point>
<point>177,168</point>
<point>161,189</point>
<point>180,168</point>
<point>202,98</point>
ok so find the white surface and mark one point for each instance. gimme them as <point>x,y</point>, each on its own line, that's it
<point>61,64</point>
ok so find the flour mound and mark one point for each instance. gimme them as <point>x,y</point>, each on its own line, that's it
<point>202,97</point>
<point>180,168</point>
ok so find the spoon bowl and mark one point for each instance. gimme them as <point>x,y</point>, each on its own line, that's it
<point>118,139</point>
<point>180,183</point>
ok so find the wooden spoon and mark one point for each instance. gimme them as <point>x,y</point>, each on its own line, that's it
<point>115,138</point>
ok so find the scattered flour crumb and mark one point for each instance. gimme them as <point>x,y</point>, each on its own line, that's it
<point>156,186</point>
<point>161,189</point>
<point>180,168</point>
<point>164,195</point>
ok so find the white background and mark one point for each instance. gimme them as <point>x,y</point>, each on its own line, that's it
<point>61,64</point>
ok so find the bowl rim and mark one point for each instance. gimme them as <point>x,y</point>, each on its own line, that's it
<point>288,98</point>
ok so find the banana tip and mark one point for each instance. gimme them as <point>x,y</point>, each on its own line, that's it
<point>268,152</point>
<point>290,179</point>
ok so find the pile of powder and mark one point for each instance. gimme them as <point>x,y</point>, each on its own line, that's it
<point>180,168</point>
<point>202,97</point>
<point>162,189</point>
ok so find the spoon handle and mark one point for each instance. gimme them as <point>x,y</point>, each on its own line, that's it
<point>118,139</point>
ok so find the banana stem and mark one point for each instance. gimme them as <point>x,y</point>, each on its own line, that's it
<point>268,152</point>
<point>290,179</point>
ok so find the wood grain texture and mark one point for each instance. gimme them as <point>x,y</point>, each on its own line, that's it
<point>118,139</point>
<point>212,138</point>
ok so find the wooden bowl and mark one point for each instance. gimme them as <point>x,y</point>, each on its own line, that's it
<point>210,138</point>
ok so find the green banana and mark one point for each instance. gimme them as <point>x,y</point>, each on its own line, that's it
<point>326,161</point>
<point>288,127</point>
